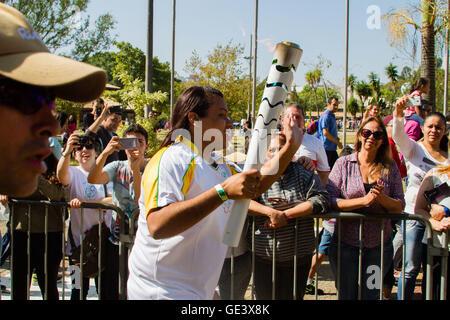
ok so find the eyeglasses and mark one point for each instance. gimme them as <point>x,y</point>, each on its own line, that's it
<point>25,98</point>
<point>87,146</point>
<point>377,135</point>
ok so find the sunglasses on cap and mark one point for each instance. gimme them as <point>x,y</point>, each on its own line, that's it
<point>26,99</point>
<point>366,133</point>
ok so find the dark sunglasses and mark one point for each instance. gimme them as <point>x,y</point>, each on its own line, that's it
<point>87,146</point>
<point>366,133</point>
<point>25,98</point>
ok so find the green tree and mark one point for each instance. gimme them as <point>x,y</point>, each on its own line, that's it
<point>375,84</point>
<point>106,61</point>
<point>306,96</point>
<point>313,79</point>
<point>392,73</point>
<point>433,20</point>
<point>406,73</point>
<point>364,91</point>
<point>61,25</point>
<point>352,84</point>
<point>133,94</point>
<point>222,70</point>
<point>131,60</point>
<point>353,106</point>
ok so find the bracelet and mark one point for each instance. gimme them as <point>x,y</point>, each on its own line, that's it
<point>447,211</point>
<point>65,154</point>
<point>222,194</point>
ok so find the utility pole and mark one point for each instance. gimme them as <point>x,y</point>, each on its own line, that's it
<point>250,58</point>
<point>149,56</point>
<point>344,125</point>
<point>254,65</point>
<point>446,61</point>
<point>174,4</point>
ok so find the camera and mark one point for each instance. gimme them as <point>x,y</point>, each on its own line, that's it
<point>437,194</point>
<point>89,142</point>
<point>98,111</point>
<point>116,109</point>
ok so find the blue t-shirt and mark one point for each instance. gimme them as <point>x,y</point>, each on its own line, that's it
<point>57,148</point>
<point>328,120</point>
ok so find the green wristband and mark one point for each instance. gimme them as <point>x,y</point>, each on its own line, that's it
<point>221,192</point>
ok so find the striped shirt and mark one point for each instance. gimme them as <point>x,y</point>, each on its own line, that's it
<point>296,185</point>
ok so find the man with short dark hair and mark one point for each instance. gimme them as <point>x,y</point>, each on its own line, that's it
<point>89,118</point>
<point>328,132</point>
<point>105,127</point>
<point>30,80</point>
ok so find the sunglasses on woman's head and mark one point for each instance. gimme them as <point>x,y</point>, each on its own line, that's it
<point>25,98</point>
<point>366,133</point>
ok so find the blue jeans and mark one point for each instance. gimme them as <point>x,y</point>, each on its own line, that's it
<point>370,278</point>
<point>413,257</point>
<point>325,241</point>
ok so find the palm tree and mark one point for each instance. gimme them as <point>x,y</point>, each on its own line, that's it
<point>392,73</point>
<point>374,82</point>
<point>364,91</point>
<point>406,73</point>
<point>434,19</point>
<point>351,84</point>
<point>313,79</point>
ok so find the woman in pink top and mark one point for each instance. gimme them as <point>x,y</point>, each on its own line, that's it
<point>367,181</point>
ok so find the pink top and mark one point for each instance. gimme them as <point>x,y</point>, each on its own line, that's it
<point>412,129</point>
<point>345,182</point>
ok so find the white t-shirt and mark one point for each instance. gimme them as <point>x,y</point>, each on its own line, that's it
<point>417,159</point>
<point>79,187</point>
<point>312,148</point>
<point>186,266</point>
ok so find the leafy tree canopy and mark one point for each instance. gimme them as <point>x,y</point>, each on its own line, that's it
<point>62,24</point>
<point>223,70</point>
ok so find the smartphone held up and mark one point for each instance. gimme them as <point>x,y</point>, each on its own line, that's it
<point>129,143</point>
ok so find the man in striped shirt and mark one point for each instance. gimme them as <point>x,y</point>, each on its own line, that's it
<point>298,192</point>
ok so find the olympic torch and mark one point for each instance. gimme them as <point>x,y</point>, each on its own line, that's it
<point>287,57</point>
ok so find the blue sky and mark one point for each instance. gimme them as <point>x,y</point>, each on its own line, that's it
<point>317,26</point>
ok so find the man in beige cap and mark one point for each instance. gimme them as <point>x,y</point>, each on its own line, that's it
<point>30,79</point>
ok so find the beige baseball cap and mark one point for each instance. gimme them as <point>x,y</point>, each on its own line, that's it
<point>25,58</point>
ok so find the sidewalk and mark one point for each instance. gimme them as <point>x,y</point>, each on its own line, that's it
<point>35,292</point>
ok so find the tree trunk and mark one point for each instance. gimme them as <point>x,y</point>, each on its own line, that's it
<point>428,64</point>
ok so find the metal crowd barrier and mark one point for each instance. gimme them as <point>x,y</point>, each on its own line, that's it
<point>123,245</point>
<point>128,233</point>
<point>431,252</point>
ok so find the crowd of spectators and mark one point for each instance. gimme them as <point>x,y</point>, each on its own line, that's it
<point>186,191</point>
